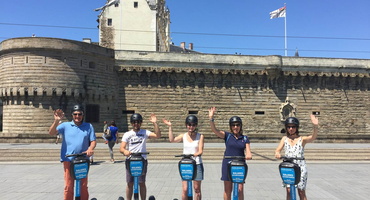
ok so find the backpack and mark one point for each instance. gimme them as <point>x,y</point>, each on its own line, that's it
<point>107,135</point>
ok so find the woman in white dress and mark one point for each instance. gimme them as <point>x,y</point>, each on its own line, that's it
<point>293,145</point>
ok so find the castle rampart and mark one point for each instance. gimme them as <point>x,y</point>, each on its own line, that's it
<point>38,75</point>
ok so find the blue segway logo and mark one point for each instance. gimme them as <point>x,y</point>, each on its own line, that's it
<point>136,168</point>
<point>186,171</point>
<point>237,174</point>
<point>80,170</point>
<point>288,175</point>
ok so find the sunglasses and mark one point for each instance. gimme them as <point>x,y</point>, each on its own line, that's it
<point>237,125</point>
<point>192,124</point>
<point>291,127</point>
<point>77,114</point>
<point>136,122</point>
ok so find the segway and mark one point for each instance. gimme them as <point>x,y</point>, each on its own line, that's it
<point>80,165</point>
<point>238,170</point>
<point>136,165</point>
<point>187,169</point>
<point>290,173</point>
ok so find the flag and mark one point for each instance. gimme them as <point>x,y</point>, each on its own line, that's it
<point>281,12</point>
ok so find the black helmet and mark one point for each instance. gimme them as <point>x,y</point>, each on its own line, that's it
<point>292,120</point>
<point>235,119</point>
<point>78,107</point>
<point>136,117</point>
<point>191,119</point>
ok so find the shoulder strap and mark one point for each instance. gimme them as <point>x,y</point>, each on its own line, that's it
<point>198,136</point>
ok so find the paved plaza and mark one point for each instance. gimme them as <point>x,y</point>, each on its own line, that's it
<point>44,180</point>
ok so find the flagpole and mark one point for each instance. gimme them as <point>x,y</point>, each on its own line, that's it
<point>286,42</point>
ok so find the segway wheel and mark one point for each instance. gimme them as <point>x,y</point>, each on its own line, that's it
<point>151,197</point>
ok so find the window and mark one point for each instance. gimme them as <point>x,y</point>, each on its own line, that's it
<point>193,112</point>
<point>259,112</point>
<point>92,113</point>
<point>109,22</point>
<point>127,112</point>
<point>92,65</point>
<point>136,4</point>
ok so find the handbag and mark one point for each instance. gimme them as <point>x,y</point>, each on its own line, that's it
<point>107,134</point>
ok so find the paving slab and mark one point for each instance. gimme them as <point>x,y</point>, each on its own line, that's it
<point>334,180</point>
<point>329,180</point>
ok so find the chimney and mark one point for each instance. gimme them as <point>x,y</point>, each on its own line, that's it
<point>190,46</point>
<point>183,45</point>
<point>87,40</point>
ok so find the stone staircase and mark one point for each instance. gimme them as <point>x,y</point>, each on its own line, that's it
<point>167,154</point>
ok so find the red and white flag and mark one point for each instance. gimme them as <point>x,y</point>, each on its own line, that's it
<point>281,12</point>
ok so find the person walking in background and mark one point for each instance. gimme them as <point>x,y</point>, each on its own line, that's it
<point>293,145</point>
<point>113,138</point>
<point>78,137</point>
<point>236,144</point>
<point>193,143</point>
<point>105,126</point>
<point>135,141</point>
<point>58,138</point>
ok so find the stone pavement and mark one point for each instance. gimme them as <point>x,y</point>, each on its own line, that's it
<point>326,181</point>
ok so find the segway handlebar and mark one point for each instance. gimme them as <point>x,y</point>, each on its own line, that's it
<point>76,155</point>
<point>291,158</point>
<point>138,153</point>
<point>185,155</point>
<point>235,157</point>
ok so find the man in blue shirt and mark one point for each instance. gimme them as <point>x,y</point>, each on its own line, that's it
<point>78,137</point>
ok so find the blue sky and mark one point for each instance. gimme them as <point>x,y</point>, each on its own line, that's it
<point>317,28</point>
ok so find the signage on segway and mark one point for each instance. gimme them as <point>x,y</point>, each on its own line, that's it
<point>186,171</point>
<point>80,170</point>
<point>238,174</point>
<point>288,175</point>
<point>136,168</point>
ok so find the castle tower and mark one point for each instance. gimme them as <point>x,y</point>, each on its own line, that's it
<point>141,25</point>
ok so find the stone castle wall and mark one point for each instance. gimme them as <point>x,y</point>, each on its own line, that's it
<point>38,75</point>
<point>254,88</point>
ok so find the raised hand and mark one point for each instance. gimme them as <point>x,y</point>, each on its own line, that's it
<point>153,118</point>
<point>58,114</point>
<point>315,120</point>
<point>167,122</point>
<point>211,112</point>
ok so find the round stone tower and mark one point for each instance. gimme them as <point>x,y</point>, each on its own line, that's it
<point>38,75</point>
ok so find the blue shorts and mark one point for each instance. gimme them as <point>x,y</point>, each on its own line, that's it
<point>200,172</point>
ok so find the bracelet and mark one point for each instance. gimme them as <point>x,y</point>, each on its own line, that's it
<point>212,120</point>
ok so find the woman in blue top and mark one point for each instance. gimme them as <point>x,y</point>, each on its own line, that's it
<point>236,144</point>
<point>112,140</point>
